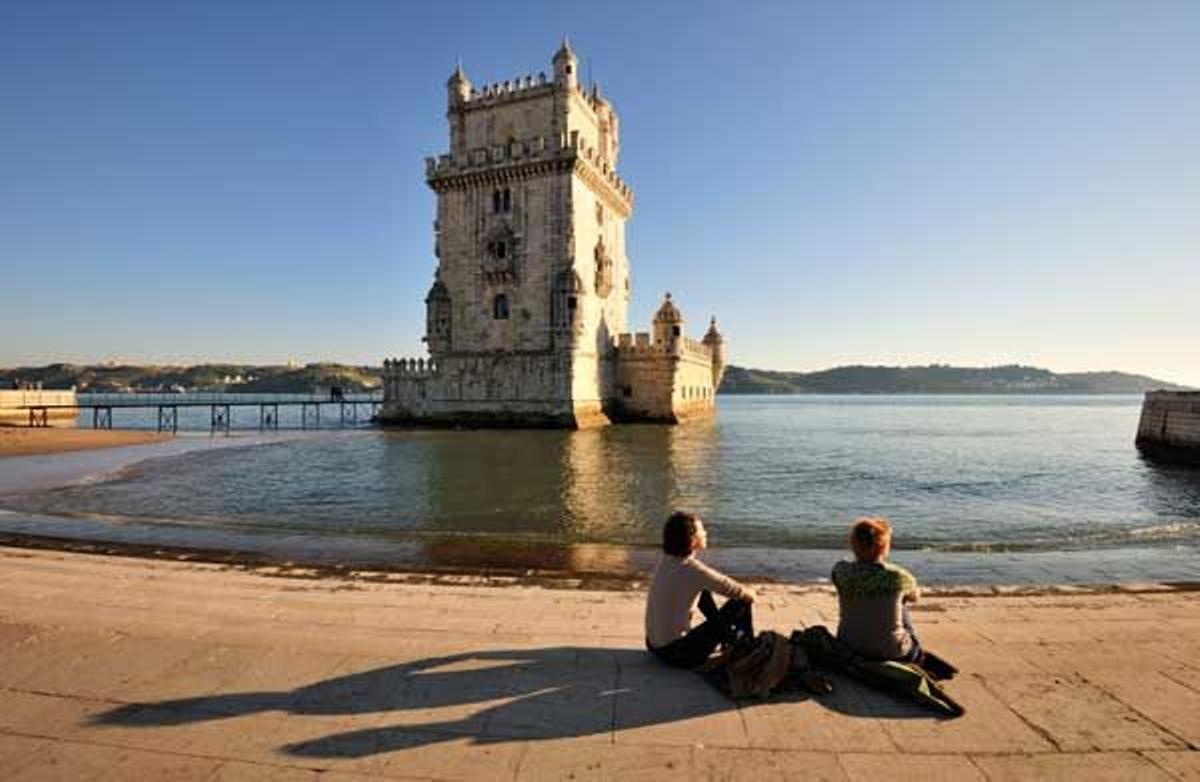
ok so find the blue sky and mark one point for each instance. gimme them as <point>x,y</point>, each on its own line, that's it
<point>894,183</point>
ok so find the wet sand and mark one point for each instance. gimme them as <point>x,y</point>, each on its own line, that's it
<point>29,441</point>
<point>138,668</point>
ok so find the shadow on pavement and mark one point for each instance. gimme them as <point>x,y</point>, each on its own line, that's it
<point>521,695</point>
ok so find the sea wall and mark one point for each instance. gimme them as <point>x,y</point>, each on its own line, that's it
<point>12,403</point>
<point>486,390</point>
<point>1170,426</point>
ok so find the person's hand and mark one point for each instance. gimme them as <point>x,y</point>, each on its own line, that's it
<point>750,595</point>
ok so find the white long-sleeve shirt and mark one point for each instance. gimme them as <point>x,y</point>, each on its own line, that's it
<point>674,590</point>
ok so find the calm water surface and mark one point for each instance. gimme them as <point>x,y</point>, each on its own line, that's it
<point>955,474</point>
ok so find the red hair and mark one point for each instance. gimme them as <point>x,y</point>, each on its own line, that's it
<point>869,537</point>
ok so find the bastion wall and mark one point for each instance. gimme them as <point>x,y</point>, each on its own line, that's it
<point>1169,428</point>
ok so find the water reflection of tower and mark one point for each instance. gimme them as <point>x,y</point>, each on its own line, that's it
<point>525,499</point>
<point>561,499</point>
<point>695,467</point>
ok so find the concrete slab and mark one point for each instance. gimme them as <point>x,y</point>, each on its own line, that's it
<point>988,726</point>
<point>897,767</point>
<point>1097,767</point>
<point>1077,716</point>
<point>14,750</point>
<point>1164,701</point>
<point>1183,766</point>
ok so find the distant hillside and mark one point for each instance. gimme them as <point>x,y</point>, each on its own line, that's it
<point>230,378</point>
<point>933,379</point>
<point>936,379</point>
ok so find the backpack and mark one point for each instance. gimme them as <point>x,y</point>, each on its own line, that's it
<point>756,667</point>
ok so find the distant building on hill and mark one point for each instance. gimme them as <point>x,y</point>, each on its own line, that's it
<point>526,316</point>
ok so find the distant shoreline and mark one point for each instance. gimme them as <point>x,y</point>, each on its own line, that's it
<point>320,378</point>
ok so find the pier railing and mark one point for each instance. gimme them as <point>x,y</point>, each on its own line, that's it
<point>350,410</point>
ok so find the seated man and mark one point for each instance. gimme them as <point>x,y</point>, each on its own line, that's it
<point>680,584</point>
<point>873,597</point>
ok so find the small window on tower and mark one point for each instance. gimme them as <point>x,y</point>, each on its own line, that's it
<point>507,200</point>
<point>501,249</point>
<point>496,201</point>
<point>500,307</point>
<point>674,331</point>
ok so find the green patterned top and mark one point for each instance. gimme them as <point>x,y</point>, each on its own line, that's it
<point>859,579</point>
<point>871,598</point>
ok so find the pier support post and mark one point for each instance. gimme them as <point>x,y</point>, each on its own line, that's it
<point>102,418</point>
<point>315,415</point>
<point>168,418</point>
<point>220,419</point>
<point>268,416</point>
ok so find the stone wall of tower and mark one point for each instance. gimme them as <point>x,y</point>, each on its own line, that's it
<point>659,381</point>
<point>533,231</point>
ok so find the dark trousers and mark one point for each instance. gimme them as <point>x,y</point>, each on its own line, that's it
<point>723,625</point>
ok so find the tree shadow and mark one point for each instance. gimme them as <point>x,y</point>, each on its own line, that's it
<point>523,695</point>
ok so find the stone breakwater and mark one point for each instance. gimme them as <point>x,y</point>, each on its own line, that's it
<point>1170,426</point>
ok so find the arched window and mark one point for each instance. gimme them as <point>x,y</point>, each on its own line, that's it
<point>497,202</point>
<point>500,307</point>
<point>564,301</point>
<point>507,200</point>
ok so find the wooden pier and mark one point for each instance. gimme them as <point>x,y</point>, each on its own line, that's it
<point>349,411</point>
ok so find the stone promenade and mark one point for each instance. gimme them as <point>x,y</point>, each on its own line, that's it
<point>123,669</point>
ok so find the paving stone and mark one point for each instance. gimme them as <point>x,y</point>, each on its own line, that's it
<point>656,704</point>
<point>1078,716</point>
<point>1184,766</point>
<point>1168,703</point>
<point>988,726</point>
<point>1096,767</point>
<point>909,768</point>
<point>63,760</point>
<point>237,771</point>
<point>847,717</point>
<point>14,750</point>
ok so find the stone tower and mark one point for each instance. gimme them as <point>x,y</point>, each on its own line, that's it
<point>531,288</point>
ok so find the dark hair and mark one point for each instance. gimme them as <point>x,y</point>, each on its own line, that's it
<point>679,533</point>
<point>869,537</point>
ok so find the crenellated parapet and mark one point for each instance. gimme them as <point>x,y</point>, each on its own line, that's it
<point>639,344</point>
<point>530,157</point>
<point>410,368</point>
<point>519,88</point>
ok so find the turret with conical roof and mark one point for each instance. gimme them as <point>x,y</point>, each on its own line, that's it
<point>566,66</point>
<point>458,87</point>
<point>716,345</point>
<point>668,323</point>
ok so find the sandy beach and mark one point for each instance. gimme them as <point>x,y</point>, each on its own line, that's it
<point>122,668</point>
<point>29,441</point>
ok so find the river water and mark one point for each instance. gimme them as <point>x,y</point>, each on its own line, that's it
<point>1010,488</point>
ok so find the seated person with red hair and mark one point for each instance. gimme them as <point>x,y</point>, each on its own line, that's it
<point>682,583</point>
<point>874,595</point>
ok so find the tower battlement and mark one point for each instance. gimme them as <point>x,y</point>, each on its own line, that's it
<point>440,170</point>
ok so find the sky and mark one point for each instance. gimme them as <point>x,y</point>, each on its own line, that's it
<point>838,182</point>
